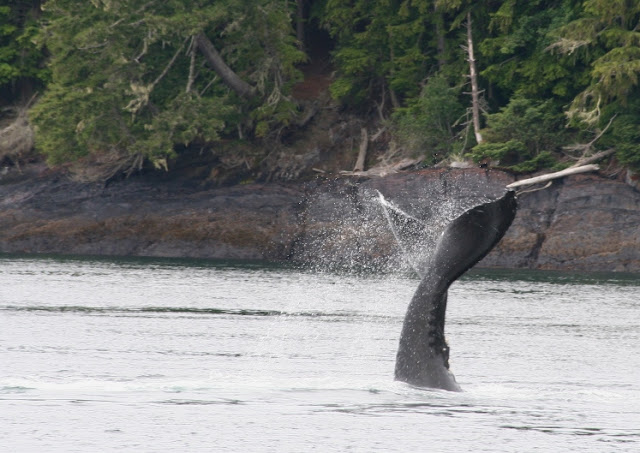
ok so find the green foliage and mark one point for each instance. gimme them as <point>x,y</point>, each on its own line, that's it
<point>124,78</point>
<point>382,46</point>
<point>606,36</point>
<point>623,135</point>
<point>516,55</point>
<point>8,72</point>
<point>430,124</point>
<point>70,124</point>
<point>20,58</point>
<point>626,135</point>
<point>509,151</point>
<point>522,135</point>
<point>128,78</point>
<point>545,159</point>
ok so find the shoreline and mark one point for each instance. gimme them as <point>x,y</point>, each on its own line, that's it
<point>580,223</point>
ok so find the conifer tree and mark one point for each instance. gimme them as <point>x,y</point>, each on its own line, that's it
<point>607,30</point>
<point>132,79</point>
<point>21,68</point>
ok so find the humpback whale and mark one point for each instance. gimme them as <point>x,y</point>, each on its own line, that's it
<point>423,355</point>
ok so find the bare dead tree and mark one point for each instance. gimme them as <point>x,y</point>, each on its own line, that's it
<point>362,153</point>
<point>440,38</point>
<point>473,76</point>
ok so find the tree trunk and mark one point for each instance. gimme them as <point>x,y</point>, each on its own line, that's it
<point>442,61</point>
<point>392,57</point>
<point>475,96</point>
<point>192,66</point>
<point>216,62</point>
<point>300,23</point>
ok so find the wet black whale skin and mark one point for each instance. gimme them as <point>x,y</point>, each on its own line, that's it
<point>423,355</point>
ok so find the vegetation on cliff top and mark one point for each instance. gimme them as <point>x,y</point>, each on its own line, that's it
<point>124,83</point>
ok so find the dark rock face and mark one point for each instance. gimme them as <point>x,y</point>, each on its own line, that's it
<point>146,218</point>
<point>594,226</point>
<point>345,226</point>
<point>584,222</point>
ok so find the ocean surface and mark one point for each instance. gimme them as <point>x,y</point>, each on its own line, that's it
<point>201,356</point>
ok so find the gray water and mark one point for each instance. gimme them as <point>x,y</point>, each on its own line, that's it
<point>99,355</point>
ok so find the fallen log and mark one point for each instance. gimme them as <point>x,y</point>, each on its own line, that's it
<point>550,176</point>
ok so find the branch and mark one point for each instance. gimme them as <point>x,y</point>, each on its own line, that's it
<point>230,78</point>
<point>143,92</point>
<point>168,66</point>
<point>141,9</point>
<point>192,65</point>
<point>211,82</point>
<point>377,135</point>
<point>551,176</point>
<point>596,157</point>
<point>145,48</point>
<point>584,147</point>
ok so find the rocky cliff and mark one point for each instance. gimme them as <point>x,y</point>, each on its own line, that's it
<point>585,222</point>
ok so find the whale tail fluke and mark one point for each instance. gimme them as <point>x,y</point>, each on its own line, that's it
<point>472,235</point>
<point>423,354</point>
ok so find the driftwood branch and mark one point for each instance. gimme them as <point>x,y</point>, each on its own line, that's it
<point>583,165</point>
<point>551,176</point>
<point>362,154</point>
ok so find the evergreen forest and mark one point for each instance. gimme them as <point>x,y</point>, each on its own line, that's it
<point>522,85</point>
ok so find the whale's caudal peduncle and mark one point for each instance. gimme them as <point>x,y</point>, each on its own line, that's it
<point>423,354</point>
